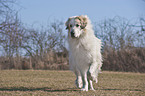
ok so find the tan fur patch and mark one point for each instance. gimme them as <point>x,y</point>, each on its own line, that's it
<point>66,24</point>
<point>83,21</point>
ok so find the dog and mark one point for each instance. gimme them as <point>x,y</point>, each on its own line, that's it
<point>85,58</point>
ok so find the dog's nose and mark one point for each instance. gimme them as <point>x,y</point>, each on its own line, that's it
<point>72,34</point>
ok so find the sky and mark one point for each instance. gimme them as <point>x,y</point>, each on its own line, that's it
<point>42,11</point>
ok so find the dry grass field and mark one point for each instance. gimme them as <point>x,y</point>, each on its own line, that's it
<point>61,83</point>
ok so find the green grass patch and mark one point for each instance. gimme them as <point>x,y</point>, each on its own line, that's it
<point>54,83</point>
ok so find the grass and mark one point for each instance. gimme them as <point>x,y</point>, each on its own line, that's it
<point>61,83</point>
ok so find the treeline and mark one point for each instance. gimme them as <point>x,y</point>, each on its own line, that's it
<point>23,47</point>
<point>123,44</point>
<point>29,48</point>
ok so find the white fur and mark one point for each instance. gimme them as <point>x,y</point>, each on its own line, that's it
<point>84,54</point>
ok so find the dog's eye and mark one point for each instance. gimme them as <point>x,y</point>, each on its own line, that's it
<point>70,25</point>
<point>77,25</point>
<point>66,28</point>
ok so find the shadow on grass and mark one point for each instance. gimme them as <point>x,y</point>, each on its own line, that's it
<point>121,89</point>
<point>37,89</point>
<point>58,90</point>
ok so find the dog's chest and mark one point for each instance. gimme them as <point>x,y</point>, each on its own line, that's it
<point>81,52</point>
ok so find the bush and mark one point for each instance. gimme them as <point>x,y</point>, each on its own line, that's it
<point>129,60</point>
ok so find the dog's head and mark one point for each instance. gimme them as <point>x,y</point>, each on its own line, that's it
<point>76,25</point>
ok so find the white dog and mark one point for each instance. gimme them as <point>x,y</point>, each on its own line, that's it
<point>84,51</point>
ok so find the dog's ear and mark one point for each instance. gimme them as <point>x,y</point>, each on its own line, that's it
<point>84,22</point>
<point>67,23</point>
<point>83,19</point>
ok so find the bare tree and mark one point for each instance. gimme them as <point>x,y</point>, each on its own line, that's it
<point>6,5</point>
<point>116,33</point>
<point>140,30</point>
<point>44,44</point>
<point>12,35</point>
<point>123,44</point>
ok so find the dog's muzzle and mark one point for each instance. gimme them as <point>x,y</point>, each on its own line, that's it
<point>72,34</point>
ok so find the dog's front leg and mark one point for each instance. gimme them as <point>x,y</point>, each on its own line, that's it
<point>79,81</point>
<point>85,81</point>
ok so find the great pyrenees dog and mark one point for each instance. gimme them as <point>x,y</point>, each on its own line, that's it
<point>85,57</point>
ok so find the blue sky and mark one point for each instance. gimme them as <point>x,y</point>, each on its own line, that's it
<point>43,11</point>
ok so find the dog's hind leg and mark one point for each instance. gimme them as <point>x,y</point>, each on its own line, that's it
<point>91,85</point>
<point>93,72</point>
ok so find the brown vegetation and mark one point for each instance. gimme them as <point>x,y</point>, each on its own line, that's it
<point>132,60</point>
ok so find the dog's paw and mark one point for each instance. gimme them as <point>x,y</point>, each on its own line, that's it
<point>78,84</point>
<point>92,89</point>
<point>96,80</point>
<point>84,89</point>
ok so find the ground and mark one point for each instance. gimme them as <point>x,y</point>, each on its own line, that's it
<point>61,83</point>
